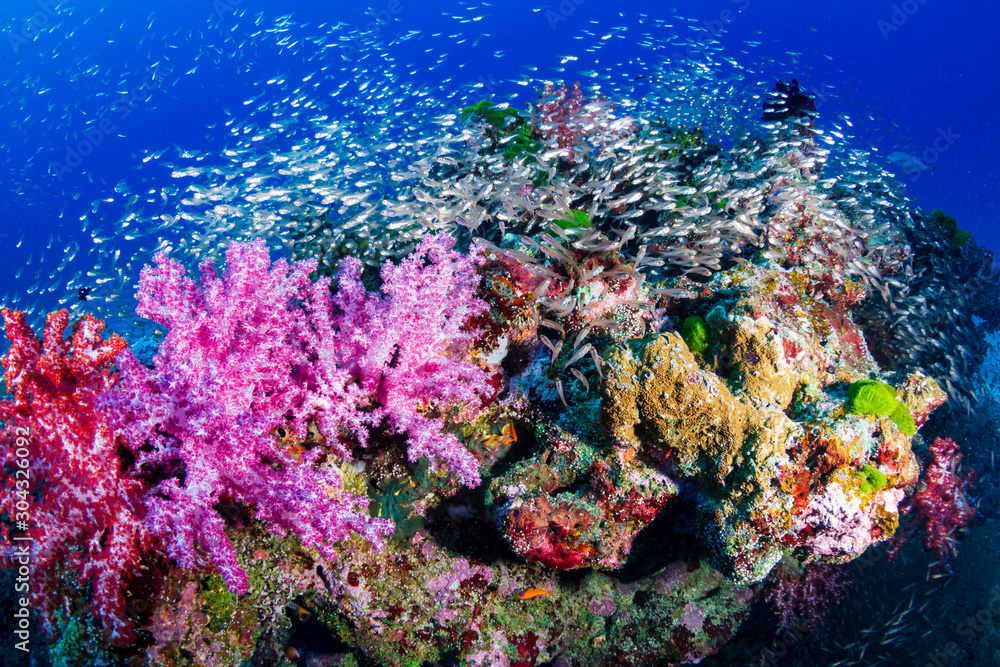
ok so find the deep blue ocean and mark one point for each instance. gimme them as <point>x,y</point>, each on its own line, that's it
<point>920,77</point>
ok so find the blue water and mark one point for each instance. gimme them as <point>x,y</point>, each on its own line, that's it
<point>915,77</point>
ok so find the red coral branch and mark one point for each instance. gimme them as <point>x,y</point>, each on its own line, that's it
<point>61,475</point>
<point>941,506</point>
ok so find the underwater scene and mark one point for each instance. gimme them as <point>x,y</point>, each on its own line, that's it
<point>499,334</point>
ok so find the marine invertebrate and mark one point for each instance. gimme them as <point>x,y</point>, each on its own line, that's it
<point>769,483</point>
<point>566,119</point>
<point>261,348</point>
<point>227,375</point>
<point>800,596</point>
<point>870,397</point>
<point>941,506</point>
<point>695,334</point>
<point>406,349</point>
<point>568,507</point>
<point>62,481</point>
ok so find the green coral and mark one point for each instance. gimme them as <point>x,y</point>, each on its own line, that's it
<point>871,397</point>
<point>945,220</point>
<point>80,642</point>
<point>487,111</point>
<point>872,480</point>
<point>695,333</point>
<point>575,219</point>
<point>960,238</point>
<point>522,143</point>
<point>508,127</point>
<point>903,419</point>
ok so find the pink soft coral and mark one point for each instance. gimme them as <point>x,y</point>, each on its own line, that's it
<point>60,473</point>
<point>405,347</point>
<point>263,347</point>
<point>225,377</point>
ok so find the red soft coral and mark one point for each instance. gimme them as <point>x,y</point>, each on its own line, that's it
<point>61,476</point>
<point>942,506</point>
<point>801,599</point>
<point>569,121</point>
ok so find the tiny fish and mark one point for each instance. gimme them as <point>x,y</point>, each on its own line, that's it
<point>533,593</point>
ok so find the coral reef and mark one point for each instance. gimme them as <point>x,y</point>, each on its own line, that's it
<point>593,389</point>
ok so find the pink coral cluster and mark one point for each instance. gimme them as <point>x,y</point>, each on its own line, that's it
<point>800,601</point>
<point>200,421</point>
<point>262,347</point>
<point>248,352</point>
<point>405,348</point>
<point>942,506</point>
<point>60,475</point>
<point>568,119</point>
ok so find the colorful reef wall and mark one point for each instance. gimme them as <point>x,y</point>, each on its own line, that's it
<point>588,390</point>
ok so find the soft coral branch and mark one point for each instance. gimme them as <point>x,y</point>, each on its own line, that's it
<point>227,375</point>
<point>941,506</point>
<point>83,512</point>
<point>406,347</point>
<point>263,347</point>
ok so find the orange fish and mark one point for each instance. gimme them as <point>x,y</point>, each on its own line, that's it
<point>533,593</point>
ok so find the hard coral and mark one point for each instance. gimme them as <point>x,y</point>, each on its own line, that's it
<point>62,480</point>
<point>770,480</point>
<point>567,507</point>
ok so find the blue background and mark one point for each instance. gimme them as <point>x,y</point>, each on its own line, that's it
<point>904,72</point>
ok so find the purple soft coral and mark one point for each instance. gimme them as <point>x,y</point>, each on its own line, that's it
<point>398,346</point>
<point>263,347</point>
<point>224,379</point>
